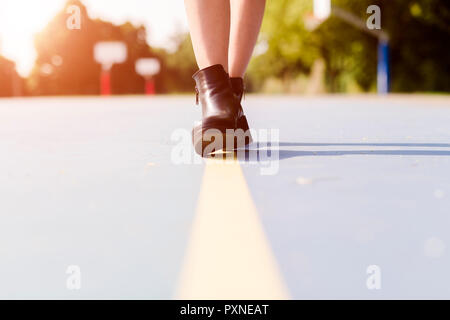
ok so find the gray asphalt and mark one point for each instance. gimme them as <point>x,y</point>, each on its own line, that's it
<point>92,182</point>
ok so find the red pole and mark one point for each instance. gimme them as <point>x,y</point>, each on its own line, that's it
<point>105,83</point>
<point>150,86</point>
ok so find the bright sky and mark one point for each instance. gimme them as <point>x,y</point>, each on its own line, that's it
<point>21,19</point>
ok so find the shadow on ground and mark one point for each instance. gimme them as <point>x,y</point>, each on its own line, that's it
<point>267,151</point>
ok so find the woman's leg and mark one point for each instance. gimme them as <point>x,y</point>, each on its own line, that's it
<point>209,24</point>
<point>246,18</point>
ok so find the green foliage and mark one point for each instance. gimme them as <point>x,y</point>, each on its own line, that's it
<point>419,33</point>
<point>289,44</point>
<point>181,65</point>
<point>419,50</point>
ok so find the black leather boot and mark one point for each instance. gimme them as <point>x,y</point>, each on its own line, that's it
<point>221,113</point>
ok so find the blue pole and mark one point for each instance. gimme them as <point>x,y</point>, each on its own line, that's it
<point>383,67</point>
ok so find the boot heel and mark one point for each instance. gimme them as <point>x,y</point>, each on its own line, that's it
<point>243,124</point>
<point>211,136</point>
<point>204,138</point>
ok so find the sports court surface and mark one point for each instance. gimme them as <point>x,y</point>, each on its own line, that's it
<point>92,182</point>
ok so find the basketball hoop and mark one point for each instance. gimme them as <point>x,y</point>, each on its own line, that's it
<point>148,67</point>
<point>108,53</point>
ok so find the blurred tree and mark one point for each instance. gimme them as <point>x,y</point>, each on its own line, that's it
<point>180,65</point>
<point>289,50</point>
<point>419,32</point>
<point>11,82</point>
<point>65,63</point>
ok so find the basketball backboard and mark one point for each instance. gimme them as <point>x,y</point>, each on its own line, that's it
<point>148,67</point>
<point>108,53</point>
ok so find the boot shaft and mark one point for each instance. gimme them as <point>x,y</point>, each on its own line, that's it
<point>215,94</point>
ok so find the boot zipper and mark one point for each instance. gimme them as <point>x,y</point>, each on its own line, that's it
<point>196,95</point>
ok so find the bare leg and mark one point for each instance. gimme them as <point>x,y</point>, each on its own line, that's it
<point>246,18</point>
<point>209,24</point>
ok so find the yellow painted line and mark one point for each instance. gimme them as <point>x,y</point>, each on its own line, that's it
<point>228,256</point>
